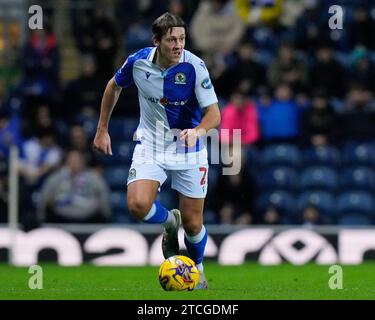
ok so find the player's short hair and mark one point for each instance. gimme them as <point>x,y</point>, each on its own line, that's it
<point>166,21</point>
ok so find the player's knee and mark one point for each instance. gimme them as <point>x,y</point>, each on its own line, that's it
<point>138,207</point>
<point>192,228</point>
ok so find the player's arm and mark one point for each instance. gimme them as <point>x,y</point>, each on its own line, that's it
<point>206,96</point>
<point>102,141</point>
<point>210,120</point>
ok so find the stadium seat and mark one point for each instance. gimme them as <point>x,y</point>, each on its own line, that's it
<point>116,176</point>
<point>354,219</point>
<point>122,153</point>
<point>88,123</point>
<point>325,156</point>
<point>323,200</point>
<point>318,178</point>
<point>344,59</point>
<point>358,201</point>
<point>282,200</point>
<point>119,216</point>
<point>278,178</point>
<point>213,175</point>
<point>168,198</point>
<point>210,217</point>
<point>118,201</point>
<point>213,152</point>
<point>123,128</point>
<point>281,155</point>
<point>120,212</point>
<point>252,157</point>
<point>358,178</point>
<point>358,154</point>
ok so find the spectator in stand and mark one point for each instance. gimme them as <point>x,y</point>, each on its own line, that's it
<point>182,8</point>
<point>259,12</point>
<point>235,195</point>
<point>106,44</point>
<point>319,122</point>
<point>40,62</point>
<point>311,216</point>
<point>270,216</point>
<point>240,113</point>
<point>137,36</point>
<point>247,74</point>
<point>279,121</point>
<point>74,194</point>
<point>216,30</point>
<point>83,96</point>
<point>9,134</point>
<point>137,31</point>
<point>362,70</point>
<point>37,117</point>
<point>102,43</point>
<point>42,118</point>
<point>130,11</point>
<point>80,141</point>
<point>291,11</point>
<point>309,28</point>
<point>39,156</point>
<point>327,73</point>
<point>82,27</point>
<point>362,29</point>
<point>287,68</point>
<point>357,121</point>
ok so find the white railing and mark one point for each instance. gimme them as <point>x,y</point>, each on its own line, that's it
<point>13,199</point>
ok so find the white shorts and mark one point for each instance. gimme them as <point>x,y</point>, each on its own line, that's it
<point>189,182</point>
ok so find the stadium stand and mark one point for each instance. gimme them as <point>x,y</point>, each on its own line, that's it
<point>297,163</point>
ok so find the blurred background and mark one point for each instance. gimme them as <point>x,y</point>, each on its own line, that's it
<point>302,94</point>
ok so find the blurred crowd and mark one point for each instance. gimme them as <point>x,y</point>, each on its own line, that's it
<point>296,89</point>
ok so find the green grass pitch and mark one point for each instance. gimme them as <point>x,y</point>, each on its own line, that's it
<point>247,282</point>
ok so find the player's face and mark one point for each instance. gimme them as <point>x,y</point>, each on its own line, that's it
<point>172,44</point>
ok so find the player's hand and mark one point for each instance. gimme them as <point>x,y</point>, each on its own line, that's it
<point>190,136</point>
<point>102,141</point>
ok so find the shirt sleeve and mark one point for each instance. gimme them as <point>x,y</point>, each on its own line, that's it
<point>124,75</point>
<point>204,89</point>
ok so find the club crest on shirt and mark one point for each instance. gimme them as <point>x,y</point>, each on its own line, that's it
<point>180,78</point>
<point>132,174</point>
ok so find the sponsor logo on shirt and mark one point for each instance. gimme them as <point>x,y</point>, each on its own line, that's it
<point>153,100</point>
<point>180,78</point>
<point>206,83</point>
<point>164,101</point>
<point>178,103</point>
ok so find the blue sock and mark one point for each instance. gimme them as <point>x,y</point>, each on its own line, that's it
<point>195,245</point>
<point>157,214</point>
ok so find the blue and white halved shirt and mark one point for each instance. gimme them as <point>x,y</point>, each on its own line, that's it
<point>170,100</point>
